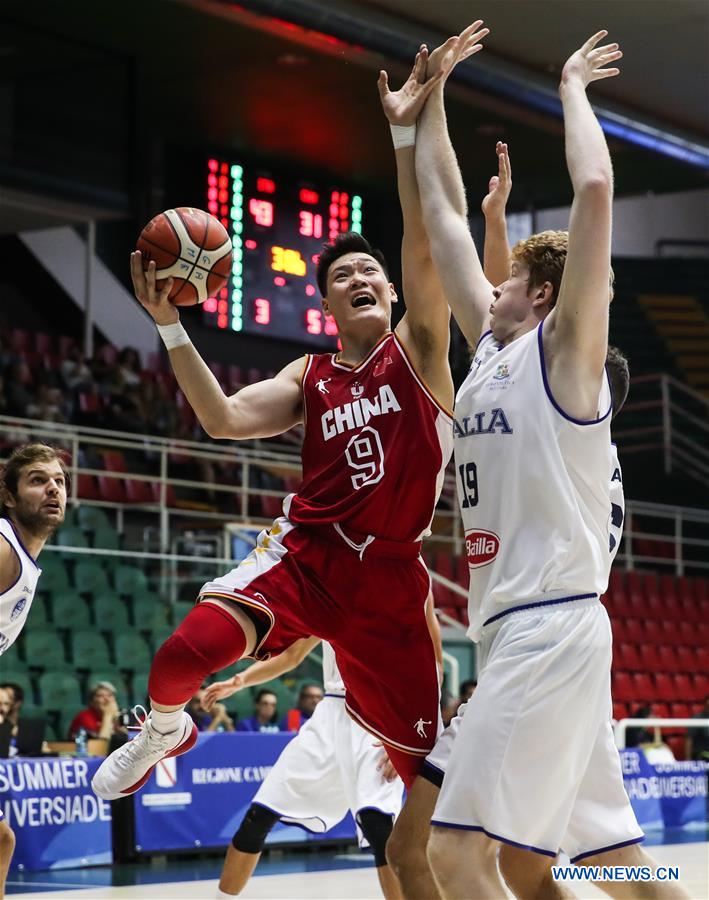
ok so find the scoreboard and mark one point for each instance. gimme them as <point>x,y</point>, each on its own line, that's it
<point>278,226</point>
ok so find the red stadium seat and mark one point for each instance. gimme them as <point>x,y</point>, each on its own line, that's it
<point>114,460</point>
<point>634,585</point>
<point>19,340</point>
<point>112,489</point>
<point>668,661</point>
<point>628,658</point>
<point>700,687</point>
<point>701,591</point>
<point>619,630</point>
<point>649,583</point>
<point>138,491</point>
<point>654,633</point>
<point>680,711</point>
<point>253,375</point>
<point>689,610</point>
<point>65,344</point>
<point>635,631</point>
<point>689,633</point>
<point>703,634</point>
<point>620,711</point>
<point>86,488</point>
<point>272,507</point>
<point>90,403</point>
<point>664,687</point>
<point>701,654</point>
<point>43,342</point>
<point>655,609</point>
<point>462,572</point>
<point>660,710</point>
<point>621,687</point>
<point>670,632</point>
<point>643,687</point>
<point>169,495</point>
<point>219,370</point>
<point>677,746</point>
<point>649,657</point>
<point>683,689</point>
<point>668,588</point>
<point>637,605</point>
<point>686,660</point>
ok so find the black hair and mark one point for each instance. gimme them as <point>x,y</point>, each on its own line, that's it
<point>465,685</point>
<point>263,692</point>
<point>349,242</point>
<point>305,687</point>
<point>17,689</point>
<point>619,375</point>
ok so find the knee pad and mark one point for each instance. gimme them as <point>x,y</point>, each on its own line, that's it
<point>253,831</point>
<point>376,827</point>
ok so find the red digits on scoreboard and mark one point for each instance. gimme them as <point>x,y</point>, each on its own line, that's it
<point>262,211</point>
<point>313,321</point>
<point>262,311</point>
<point>310,224</point>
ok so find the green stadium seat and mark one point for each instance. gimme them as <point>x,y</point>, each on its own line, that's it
<point>159,636</point>
<point>92,518</point>
<point>15,676</point>
<point>60,690</point>
<point>44,649</point>
<point>110,612</point>
<point>139,686</point>
<point>39,614</point>
<point>71,537</point>
<point>54,574</point>
<point>69,610</point>
<point>11,657</point>
<point>130,580</point>
<point>132,651</point>
<point>241,704</point>
<point>106,539</point>
<point>64,720</point>
<point>180,610</point>
<point>71,516</point>
<point>50,733</point>
<point>115,677</point>
<point>149,612</point>
<point>89,650</point>
<point>90,577</point>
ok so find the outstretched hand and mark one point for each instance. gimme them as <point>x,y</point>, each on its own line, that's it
<point>498,191</point>
<point>153,299</point>
<point>402,107</point>
<point>221,689</point>
<point>586,64</point>
<point>446,57</point>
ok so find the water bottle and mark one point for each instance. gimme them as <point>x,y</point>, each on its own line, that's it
<point>81,741</point>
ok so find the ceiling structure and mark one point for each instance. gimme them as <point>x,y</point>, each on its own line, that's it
<point>274,79</point>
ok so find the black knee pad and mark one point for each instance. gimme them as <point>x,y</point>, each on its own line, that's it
<point>253,831</point>
<point>376,827</point>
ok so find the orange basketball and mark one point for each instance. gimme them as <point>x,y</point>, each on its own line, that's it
<point>191,247</point>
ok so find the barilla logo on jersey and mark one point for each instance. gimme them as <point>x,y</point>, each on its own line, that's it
<point>481,547</point>
<point>356,414</point>
<point>18,607</point>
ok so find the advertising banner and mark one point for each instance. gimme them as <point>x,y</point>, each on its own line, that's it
<point>671,795</point>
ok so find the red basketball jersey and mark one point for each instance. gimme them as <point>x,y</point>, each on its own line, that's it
<point>376,445</point>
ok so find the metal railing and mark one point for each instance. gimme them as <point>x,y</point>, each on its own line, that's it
<point>620,727</point>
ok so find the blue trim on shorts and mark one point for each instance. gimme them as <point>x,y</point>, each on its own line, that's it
<point>496,837</point>
<point>537,604</point>
<point>432,773</point>
<point>637,840</point>
<point>283,817</point>
<point>339,696</point>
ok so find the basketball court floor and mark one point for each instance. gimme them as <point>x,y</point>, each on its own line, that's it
<point>291,876</point>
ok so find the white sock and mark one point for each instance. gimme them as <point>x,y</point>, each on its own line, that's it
<point>165,722</point>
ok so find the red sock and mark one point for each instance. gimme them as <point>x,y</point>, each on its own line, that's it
<point>208,639</point>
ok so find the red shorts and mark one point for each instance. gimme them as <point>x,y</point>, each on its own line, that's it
<point>299,582</point>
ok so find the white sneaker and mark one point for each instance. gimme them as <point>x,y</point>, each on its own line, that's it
<point>127,769</point>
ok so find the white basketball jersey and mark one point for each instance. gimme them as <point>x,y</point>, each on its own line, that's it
<point>16,601</point>
<point>330,673</point>
<point>617,504</point>
<point>532,481</point>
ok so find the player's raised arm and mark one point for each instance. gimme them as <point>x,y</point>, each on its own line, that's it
<point>496,254</point>
<point>466,288</point>
<point>259,410</point>
<point>427,313</point>
<point>576,336</point>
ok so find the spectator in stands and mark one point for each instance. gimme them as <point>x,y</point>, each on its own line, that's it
<point>635,735</point>
<point>19,388</point>
<point>5,705</point>
<point>467,689</point>
<point>697,741</point>
<point>309,697</point>
<point>48,405</point>
<point>218,720</point>
<point>75,372</point>
<point>128,367</point>
<point>101,717</point>
<point>265,716</point>
<point>17,698</point>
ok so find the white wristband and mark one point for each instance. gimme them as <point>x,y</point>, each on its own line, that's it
<point>403,135</point>
<point>173,335</point>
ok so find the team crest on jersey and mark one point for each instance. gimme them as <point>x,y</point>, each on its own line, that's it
<point>481,547</point>
<point>18,607</point>
<point>381,365</point>
<point>503,371</point>
<point>357,390</point>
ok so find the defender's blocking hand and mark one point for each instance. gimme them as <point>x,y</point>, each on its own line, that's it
<point>586,64</point>
<point>402,107</point>
<point>498,191</point>
<point>446,57</point>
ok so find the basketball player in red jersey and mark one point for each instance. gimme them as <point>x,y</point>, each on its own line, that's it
<point>343,562</point>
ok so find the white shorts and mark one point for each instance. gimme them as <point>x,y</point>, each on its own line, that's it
<point>328,769</point>
<point>531,760</point>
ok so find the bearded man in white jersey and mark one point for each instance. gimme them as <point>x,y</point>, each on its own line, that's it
<point>32,507</point>
<point>533,456</point>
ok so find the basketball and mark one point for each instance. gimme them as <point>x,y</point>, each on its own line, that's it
<point>191,247</point>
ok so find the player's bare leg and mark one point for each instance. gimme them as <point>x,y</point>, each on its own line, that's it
<point>464,864</point>
<point>634,855</point>
<point>238,868</point>
<point>528,875</point>
<point>7,848</point>
<point>389,883</point>
<point>406,847</point>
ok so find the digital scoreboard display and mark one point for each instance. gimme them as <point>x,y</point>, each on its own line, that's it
<point>278,226</point>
